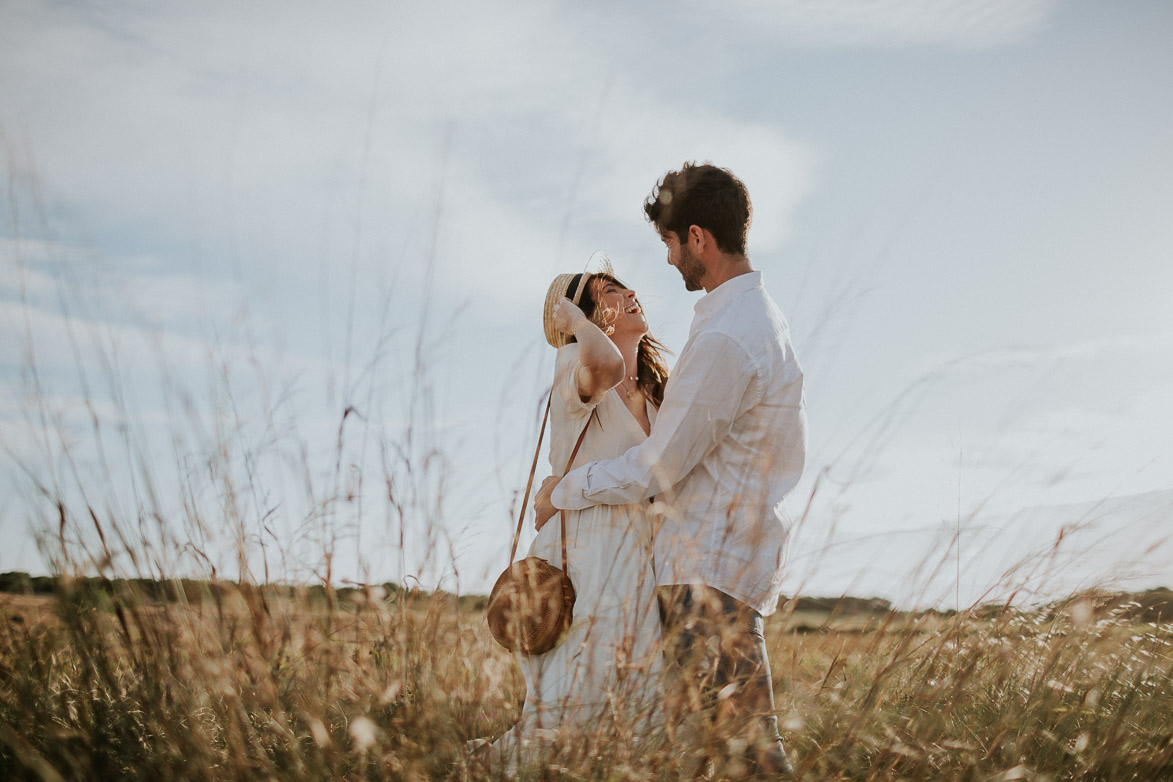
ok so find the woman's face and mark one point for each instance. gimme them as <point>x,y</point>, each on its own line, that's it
<point>617,310</point>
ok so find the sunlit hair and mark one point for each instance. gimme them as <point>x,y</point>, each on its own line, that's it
<point>652,370</point>
<point>706,196</point>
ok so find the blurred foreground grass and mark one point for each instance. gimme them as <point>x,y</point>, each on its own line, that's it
<point>255,683</point>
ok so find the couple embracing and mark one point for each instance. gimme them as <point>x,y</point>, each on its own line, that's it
<point>667,640</point>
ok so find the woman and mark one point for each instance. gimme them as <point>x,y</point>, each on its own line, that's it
<point>601,683</point>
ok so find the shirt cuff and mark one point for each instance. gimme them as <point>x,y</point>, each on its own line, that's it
<point>570,494</point>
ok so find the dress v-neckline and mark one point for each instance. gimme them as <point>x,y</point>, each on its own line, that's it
<point>631,415</point>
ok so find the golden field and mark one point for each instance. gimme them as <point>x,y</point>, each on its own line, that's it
<point>255,683</point>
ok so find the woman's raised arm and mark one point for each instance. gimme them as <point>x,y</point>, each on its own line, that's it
<point>602,363</point>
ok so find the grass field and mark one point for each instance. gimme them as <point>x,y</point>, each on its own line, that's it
<point>255,684</point>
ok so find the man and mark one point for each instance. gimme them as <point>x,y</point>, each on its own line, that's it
<point>728,444</point>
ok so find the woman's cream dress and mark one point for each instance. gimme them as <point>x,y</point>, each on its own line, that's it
<point>602,682</point>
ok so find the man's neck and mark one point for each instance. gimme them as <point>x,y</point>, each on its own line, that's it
<point>729,267</point>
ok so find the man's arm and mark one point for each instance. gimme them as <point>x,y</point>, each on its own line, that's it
<point>712,384</point>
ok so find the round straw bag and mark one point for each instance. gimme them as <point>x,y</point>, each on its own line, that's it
<point>532,603</point>
<point>531,606</point>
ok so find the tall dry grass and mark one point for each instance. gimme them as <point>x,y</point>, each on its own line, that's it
<point>262,684</point>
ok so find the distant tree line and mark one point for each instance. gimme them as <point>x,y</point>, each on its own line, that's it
<point>1153,605</point>
<point>197,591</point>
<point>845,605</point>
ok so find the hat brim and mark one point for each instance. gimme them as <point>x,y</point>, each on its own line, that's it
<point>598,263</point>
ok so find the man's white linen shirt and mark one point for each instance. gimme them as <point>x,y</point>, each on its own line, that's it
<point>728,445</point>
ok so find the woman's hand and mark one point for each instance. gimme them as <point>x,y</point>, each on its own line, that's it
<point>543,510</point>
<point>566,316</point>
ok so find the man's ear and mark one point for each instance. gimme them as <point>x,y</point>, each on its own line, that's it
<point>697,238</point>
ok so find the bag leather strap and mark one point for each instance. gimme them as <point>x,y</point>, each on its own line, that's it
<point>533,469</point>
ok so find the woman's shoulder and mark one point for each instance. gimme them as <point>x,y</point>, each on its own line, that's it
<point>567,353</point>
<point>567,399</point>
<point>567,360</point>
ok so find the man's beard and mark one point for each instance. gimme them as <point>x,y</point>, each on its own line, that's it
<point>691,269</point>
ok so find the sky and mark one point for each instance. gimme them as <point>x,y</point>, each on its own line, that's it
<point>271,275</point>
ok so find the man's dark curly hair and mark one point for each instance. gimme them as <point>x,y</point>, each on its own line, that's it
<point>706,196</point>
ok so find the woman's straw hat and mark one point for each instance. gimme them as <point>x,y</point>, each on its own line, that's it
<point>561,287</point>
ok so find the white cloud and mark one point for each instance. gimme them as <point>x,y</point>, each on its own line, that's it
<point>1096,350</point>
<point>1034,554</point>
<point>142,353</point>
<point>274,132</point>
<point>643,138</point>
<point>147,290</point>
<point>883,23</point>
<point>485,240</point>
<point>38,252</point>
<point>994,433</point>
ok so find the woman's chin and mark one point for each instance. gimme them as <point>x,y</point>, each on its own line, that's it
<point>628,332</point>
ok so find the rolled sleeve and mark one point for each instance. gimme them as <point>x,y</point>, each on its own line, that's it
<point>570,492</point>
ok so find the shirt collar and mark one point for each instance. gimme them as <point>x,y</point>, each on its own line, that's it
<point>713,301</point>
